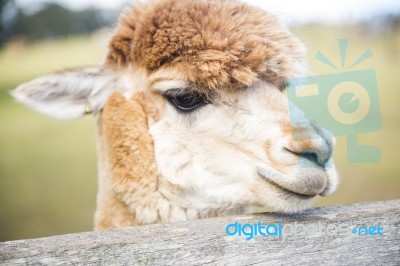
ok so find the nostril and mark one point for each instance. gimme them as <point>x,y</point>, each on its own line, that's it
<point>320,158</point>
<point>316,151</point>
<point>311,156</point>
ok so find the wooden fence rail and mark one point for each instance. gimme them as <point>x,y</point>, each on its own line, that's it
<point>335,235</point>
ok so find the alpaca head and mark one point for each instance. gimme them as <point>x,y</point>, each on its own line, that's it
<point>191,102</point>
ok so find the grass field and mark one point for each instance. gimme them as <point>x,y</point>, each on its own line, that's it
<point>48,167</point>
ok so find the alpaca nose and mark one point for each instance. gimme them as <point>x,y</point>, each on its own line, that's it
<point>312,143</point>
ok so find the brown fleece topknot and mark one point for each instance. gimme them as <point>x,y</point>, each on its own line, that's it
<point>215,43</point>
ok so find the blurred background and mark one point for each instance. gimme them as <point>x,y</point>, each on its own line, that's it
<point>48,173</point>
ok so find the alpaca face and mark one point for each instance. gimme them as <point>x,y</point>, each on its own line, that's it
<point>240,148</point>
<point>192,110</point>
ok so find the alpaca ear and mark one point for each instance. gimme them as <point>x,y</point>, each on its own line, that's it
<point>69,94</point>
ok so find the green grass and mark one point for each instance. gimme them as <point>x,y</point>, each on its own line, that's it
<point>48,167</point>
<point>20,62</point>
<point>48,174</point>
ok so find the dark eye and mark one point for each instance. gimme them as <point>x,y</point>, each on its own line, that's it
<point>186,101</point>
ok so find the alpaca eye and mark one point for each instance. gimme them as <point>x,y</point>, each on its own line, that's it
<point>186,102</point>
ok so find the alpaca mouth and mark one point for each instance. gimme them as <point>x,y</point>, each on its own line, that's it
<point>286,190</point>
<point>291,192</point>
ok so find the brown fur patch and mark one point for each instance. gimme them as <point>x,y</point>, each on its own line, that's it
<point>128,158</point>
<point>299,139</point>
<point>287,129</point>
<point>112,213</point>
<point>125,126</point>
<point>219,44</point>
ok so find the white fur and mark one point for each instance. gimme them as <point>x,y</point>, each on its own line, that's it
<point>165,85</point>
<point>216,154</point>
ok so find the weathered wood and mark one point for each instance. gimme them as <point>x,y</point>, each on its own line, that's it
<point>206,242</point>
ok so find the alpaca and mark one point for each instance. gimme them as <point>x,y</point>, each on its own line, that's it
<point>193,120</point>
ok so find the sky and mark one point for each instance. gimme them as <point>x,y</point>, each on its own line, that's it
<point>291,11</point>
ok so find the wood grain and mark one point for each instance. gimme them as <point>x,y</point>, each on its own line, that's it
<point>206,242</point>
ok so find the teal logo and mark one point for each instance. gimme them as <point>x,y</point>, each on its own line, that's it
<point>368,231</point>
<point>345,102</point>
<point>251,230</point>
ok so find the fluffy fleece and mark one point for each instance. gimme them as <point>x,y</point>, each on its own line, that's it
<point>217,44</point>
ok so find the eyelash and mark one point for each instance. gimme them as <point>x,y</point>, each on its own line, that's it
<point>185,100</point>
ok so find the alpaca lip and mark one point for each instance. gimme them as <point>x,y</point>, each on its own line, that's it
<point>280,187</point>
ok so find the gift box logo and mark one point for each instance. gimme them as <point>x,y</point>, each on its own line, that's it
<point>345,102</point>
